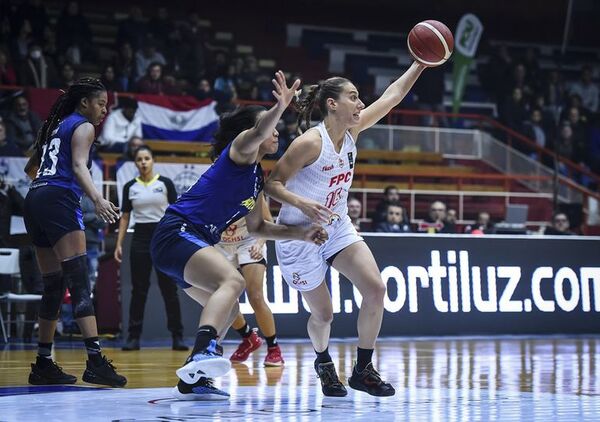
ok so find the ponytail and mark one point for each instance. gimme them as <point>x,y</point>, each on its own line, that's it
<point>317,96</point>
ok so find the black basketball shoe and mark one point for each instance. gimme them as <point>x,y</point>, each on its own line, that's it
<point>369,381</point>
<point>330,383</point>
<point>49,374</point>
<point>103,374</point>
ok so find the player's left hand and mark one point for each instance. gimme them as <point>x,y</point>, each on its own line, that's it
<point>256,251</point>
<point>316,234</point>
<point>282,93</point>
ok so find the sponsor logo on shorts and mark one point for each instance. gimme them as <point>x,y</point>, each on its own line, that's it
<point>333,218</point>
<point>296,280</point>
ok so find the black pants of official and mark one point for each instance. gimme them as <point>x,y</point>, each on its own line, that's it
<point>141,267</point>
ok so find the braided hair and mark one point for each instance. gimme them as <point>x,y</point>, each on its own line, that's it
<point>318,95</point>
<point>66,104</point>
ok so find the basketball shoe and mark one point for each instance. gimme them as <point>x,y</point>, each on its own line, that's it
<point>208,364</point>
<point>330,383</point>
<point>203,389</point>
<point>369,381</point>
<point>274,357</point>
<point>248,345</point>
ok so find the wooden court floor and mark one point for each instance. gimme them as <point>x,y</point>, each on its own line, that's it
<point>544,378</point>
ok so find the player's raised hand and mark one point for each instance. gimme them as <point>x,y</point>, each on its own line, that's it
<point>282,93</point>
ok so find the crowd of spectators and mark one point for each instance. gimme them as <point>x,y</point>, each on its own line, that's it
<point>559,114</point>
<point>151,55</point>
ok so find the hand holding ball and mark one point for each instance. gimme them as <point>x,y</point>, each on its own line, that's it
<point>430,42</point>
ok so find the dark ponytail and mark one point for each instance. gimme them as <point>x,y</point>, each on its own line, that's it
<point>318,95</point>
<point>232,124</point>
<point>66,104</point>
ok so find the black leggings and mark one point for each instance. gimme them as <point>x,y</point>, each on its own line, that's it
<point>140,262</point>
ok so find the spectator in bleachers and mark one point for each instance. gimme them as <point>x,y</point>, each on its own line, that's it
<point>73,34</point>
<point>579,140</point>
<point>451,216</point>
<point>7,146</point>
<point>354,212</point>
<point>36,71</point>
<point>495,76</point>
<point>554,92</point>
<point>7,72</point>
<point>390,196</point>
<point>134,143</point>
<point>587,90</point>
<point>67,76</point>
<point>50,46</point>
<point>521,80</point>
<point>132,30</point>
<point>560,226</point>
<point>514,110</point>
<point>125,66</point>
<point>483,224</point>
<point>204,90</point>
<point>146,57</point>
<point>109,79</point>
<point>154,83</point>
<point>564,142</point>
<point>33,11</point>
<point>436,221</point>
<point>19,45</point>
<point>22,124</point>
<point>395,221</point>
<point>534,130</point>
<point>225,86</point>
<point>120,126</point>
<point>253,76</point>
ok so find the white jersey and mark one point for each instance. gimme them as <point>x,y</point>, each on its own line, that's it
<point>326,181</point>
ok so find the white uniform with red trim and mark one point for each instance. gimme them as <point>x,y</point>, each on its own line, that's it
<point>326,181</point>
<point>236,243</point>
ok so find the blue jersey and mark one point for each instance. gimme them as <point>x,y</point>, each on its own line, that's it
<point>56,167</point>
<point>225,193</point>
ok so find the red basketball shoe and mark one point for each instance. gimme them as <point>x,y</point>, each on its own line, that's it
<point>248,345</point>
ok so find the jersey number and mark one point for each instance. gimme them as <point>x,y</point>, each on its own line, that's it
<point>51,149</point>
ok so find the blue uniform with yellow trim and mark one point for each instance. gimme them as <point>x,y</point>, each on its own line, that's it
<point>225,193</point>
<point>52,205</point>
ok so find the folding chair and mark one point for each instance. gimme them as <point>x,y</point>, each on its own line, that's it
<point>9,264</point>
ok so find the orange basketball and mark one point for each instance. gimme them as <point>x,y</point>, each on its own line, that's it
<point>430,42</point>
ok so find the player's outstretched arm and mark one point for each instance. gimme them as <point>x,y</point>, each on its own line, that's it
<point>245,146</point>
<point>258,226</point>
<point>82,140</point>
<point>392,96</point>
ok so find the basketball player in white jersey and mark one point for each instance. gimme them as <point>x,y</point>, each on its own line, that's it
<point>312,181</point>
<point>249,255</point>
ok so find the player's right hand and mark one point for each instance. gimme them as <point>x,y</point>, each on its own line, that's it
<point>315,211</point>
<point>119,254</point>
<point>107,211</point>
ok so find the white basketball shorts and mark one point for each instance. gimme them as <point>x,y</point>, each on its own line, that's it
<point>239,253</point>
<point>303,264</point>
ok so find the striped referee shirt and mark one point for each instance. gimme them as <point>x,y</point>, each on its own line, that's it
<point>148,201</point>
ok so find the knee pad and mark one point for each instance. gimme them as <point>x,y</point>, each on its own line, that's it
<point>77,279</point>
<point>54,291</point>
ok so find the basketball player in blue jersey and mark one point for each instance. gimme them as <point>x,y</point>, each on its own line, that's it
<point>53,219</point>
<point>182,246</point>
